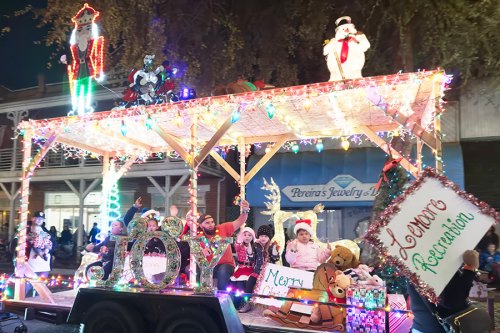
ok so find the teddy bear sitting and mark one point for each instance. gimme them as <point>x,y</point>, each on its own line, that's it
<point>343,258</point>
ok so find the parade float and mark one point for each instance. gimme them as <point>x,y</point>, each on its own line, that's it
<point>337,297</point>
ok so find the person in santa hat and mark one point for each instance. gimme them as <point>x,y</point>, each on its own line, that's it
<point>245,254</point>
<point>265,251</point>
<point>302,252</point>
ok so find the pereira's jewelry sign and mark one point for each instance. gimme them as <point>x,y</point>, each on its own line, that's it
<point>340,188</point>
<point>426,230</point>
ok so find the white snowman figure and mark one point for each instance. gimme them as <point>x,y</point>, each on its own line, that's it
<point>345,54</point>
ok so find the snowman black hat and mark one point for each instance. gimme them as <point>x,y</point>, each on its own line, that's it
<point>340,19</point>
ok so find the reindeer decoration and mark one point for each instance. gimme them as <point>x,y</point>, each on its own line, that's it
<point>279,217</point>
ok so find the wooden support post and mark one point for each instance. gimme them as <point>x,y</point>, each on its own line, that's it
<point>193,192</point>
<point>438,151</point>
<point>103,221</point>
<point>213,141</point>
<point>172,142</point>
<point>384,146</point>
<point>242,183</point>
<point>277,145</point>
<point>419,156</point>
<point>23,211</point>
<point>225,165</point>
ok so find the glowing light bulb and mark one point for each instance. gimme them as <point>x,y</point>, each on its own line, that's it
<point>123,128</point>
<point>345,143</point>
<point>235,116</point>
<point>268,149</point>
<point>295,147</point>
<point>149,122</point>
<point>179,121</point>
<point>307,104</point>
<point>319,146</point>
<point>271,110</point>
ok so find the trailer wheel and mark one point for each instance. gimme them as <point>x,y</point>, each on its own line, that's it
<point>111,317</point>
<point>189,320</point>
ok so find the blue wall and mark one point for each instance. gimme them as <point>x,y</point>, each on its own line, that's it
<point>309,168</point>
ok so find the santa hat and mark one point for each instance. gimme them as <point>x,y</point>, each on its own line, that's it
<point>151,214</point>
<point>303,224</point>
<point>248,229</point>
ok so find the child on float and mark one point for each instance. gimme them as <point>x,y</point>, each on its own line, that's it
<point>302,252</point>
<point>265,251</point>
<point>245,256</point>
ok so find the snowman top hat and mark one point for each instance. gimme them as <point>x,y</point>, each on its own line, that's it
<point>340,19</point>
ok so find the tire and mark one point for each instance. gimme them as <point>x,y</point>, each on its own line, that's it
<point>111,317</point>
<point>188,320</point>
<point>21,329</point>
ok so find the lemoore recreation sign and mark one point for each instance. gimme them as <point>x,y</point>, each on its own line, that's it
<point>427,229</point>
<point>340,188</point>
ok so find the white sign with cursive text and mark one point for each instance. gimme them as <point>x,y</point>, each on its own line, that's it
<point>275,281</point>
<point>429,230</point>
<point>340,188</point>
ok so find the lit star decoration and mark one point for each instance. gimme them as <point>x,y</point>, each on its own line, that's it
<point>87,52</point>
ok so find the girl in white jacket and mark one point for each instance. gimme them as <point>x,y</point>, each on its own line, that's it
<point>303,253</point>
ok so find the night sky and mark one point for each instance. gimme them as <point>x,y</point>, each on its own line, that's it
<point>21,59</point>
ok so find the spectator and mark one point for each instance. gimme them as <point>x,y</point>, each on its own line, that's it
<point>490,237</point>
<point>53,231</point>
<point>453,299</point>
<point>93,233</point>
<point>66,236</point>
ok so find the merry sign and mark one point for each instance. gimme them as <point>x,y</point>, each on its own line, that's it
<point>427,229</point>
<point>275,281</point>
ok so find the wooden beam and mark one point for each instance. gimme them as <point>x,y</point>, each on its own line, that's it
<point>225,165</point>
<point>125,167</point>
<point>213,141</point>
<point>179,183</point>
<point>419,156</point>
<point>277,145</point>
<point>125,139</point>
<point>241,151</point>
<point>414,128</point>
<point>41,154</point>
<point>384,146</point>
<point>172,142</point>
<point>80,145</point>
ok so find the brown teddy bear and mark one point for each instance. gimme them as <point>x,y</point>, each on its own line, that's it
<point>343,258</point>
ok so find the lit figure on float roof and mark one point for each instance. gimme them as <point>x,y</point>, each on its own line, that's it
<point>87,54</point>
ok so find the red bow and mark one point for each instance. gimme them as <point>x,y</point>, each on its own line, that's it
<point>389,165</point>
<point>344,52</point>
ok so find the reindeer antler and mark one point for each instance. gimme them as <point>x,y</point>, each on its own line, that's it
<point>274,205</point>
<point>319,208</point>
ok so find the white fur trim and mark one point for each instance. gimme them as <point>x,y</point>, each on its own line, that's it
<point>250,230</point>
<point>304,226</point>
<point>151,211</point>
<point>347,18</point>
